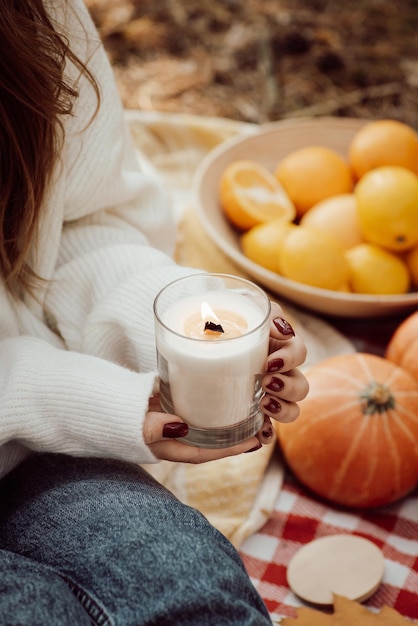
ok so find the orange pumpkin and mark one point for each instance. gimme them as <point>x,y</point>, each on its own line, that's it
<point>402,348</point>
<point>355,442</point>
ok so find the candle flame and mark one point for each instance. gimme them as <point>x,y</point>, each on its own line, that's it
<point>208,315</point>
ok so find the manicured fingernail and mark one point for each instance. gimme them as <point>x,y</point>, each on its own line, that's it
<point>175,429</point>
<point>267,432</point>
<point>273,406</point>
<point>257,447</point>
<point>283,326</point>
<point>275,365</point>
<point>275,385</point>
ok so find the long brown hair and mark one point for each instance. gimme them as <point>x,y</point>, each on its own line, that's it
<point>34,94</point>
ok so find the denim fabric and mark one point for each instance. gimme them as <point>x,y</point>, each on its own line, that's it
<point>88,541</point>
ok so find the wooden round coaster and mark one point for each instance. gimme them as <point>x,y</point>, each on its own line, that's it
<point>345,565</point>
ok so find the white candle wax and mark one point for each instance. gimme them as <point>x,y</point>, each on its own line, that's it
<point>213,378</point>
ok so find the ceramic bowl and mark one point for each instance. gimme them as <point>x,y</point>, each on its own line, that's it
<point>267,145</point>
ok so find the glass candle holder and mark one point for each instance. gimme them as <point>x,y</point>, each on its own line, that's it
<point>212,336</point>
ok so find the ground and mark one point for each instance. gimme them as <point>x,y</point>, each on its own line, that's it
<point>264,60</point>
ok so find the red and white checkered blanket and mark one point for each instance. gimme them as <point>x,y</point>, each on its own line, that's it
<point>300,517</point>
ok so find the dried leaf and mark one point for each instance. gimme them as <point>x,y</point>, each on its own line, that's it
<point>346,613</point>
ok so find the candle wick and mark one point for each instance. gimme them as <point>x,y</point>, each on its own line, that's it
<point>212,327</point>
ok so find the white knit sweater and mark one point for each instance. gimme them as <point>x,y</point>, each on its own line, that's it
<point>77,368</point>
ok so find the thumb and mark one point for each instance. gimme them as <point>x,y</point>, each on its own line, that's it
<point>160,426</point>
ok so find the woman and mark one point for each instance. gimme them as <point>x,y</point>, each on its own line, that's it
<point>86,536</point>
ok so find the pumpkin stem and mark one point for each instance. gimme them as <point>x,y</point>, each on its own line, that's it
<point>377,398</point>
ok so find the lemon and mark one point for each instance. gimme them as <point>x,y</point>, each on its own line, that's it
<point>250,194</point>
<point>313,258</point>
<point>337,217</point>
<point>261,243</point>
<point>387,207</point>
<point>374,270</point>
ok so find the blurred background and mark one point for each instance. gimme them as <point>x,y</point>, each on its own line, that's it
<point>264,60</point>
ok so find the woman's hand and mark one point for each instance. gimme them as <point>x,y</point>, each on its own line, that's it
<point>161,431</point>
<point>284,387</point>
<point>284,384</point>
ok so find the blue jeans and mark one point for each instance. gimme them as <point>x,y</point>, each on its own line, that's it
<point>90,541</point>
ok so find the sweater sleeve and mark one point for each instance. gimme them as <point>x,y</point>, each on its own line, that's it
<point>81,383</point>
<point>101,297</point>
<point>78,363</point>
<point>100,302</point>
<point>60,401</point>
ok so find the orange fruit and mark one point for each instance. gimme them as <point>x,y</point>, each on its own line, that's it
<point>337,217</point>
<point>312,174</point>
<point>261,243</point>
<point>374,270</point>
<point>387,207</point>
<point>383,142</point>
<point>344,288</point>
<point>250,194</point>
<point>313,258</point>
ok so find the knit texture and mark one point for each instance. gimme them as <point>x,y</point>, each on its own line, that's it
<point>78,363</point>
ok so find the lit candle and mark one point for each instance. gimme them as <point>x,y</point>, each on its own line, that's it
<point>211,378</point>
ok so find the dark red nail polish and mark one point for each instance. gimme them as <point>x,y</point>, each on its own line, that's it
<point>175,429</point>
<point>275,385</point>
<point>257,447</point>
<point>273,406</point>
<point>283,326</point>
<point>275,365</point>
<point>267,433</point>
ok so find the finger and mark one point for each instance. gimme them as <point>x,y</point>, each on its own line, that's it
<point>290,386</point>
<point>286,356</point>
<point>267,433</point>
<point>276,310</point>
<point>280,410</point>
<point>161,431</point>
<point>184,453</point>
<point>158,426</point>
<point>281,329</point>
